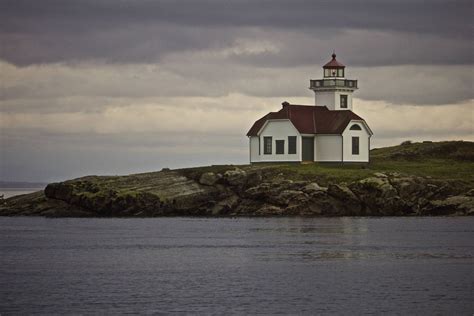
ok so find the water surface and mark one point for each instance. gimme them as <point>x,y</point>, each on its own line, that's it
<point>237,266</point>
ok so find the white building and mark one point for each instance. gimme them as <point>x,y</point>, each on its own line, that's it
<point>325,132</point>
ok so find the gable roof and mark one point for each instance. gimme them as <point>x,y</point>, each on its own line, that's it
<point>309,119</point>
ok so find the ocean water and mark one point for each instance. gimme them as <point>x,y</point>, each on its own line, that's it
<point>225,266</point>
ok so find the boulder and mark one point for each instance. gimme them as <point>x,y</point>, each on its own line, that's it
<point>379,197</point>
<point>208,178</point>
<point>235,177</point>
<point>60,191</point>
<point>380,184</point>
<point>459,205</point>
<point>342,192</point>
<point>313,187</point>
<point>289,196</point>
<point>269,210</point>
<point>254,178</point>
<point>259,191</point>
<point>225,206</point>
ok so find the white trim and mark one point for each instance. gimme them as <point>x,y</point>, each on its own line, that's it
<point>359,121</point>
<point>275,120</point>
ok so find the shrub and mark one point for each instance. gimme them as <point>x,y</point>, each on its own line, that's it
<point>407,142</point>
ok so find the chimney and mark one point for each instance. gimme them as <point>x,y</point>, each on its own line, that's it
<point>285,104</point>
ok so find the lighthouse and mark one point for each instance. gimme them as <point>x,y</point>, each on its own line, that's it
<point>328,131</point>
<point>334,91</point>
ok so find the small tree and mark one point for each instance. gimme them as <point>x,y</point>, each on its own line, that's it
<point>407,142</point>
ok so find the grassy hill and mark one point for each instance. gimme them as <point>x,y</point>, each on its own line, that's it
<point>442,160</point>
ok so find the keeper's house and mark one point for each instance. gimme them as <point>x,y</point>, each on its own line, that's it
<point>326,132</point>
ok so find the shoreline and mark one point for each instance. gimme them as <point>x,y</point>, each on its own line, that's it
<point>419,179</point>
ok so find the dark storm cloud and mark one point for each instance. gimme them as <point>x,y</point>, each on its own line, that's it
<point>49,31</point>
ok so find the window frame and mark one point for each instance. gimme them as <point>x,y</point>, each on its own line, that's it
<point>345,98</point>
<point>355,127</point>
<point>355,145</point>
<point>267,142</point>
<point>279,144</point>
<point>290,147</point>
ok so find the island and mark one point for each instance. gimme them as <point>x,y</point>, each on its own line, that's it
<point>412,179</point>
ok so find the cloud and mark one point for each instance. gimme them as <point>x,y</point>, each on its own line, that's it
<point>126,31</point>
<point>91,87</point>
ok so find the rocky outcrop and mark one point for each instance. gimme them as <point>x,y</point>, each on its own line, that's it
<point>251,191</point>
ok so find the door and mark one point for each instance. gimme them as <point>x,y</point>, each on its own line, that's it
<point>308,149</point>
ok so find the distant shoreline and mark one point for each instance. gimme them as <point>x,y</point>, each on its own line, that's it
<point>22,185</point>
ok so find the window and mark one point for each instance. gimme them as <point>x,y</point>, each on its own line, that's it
<point>327,73</point>
<point>355,145</point>
<point>291,145</point>
<point>280,147</point>
<point>344,101</point>
<point>340,72</point>
<point>267,145</point>
<point>355,127</point>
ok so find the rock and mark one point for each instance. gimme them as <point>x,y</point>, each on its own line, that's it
<point>259,191</point>
<point>379,197</point>
<point>380,175</point>
<point>269,210</point>
<point>60,191</point>
<point>208,178</point>
<point>235,177</point>
<point>460,204</point>
<point>254,178</point>
<point>342,193</point>
<point>381,184</point>
<point>312,187</point>
<point>342,201</point>
<point>225,206</point>
<point>290,196</point>
<point>408,188</point>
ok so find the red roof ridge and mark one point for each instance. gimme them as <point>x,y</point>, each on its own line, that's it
<point>309,119</point>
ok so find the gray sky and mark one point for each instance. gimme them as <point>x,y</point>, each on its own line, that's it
<point>115,87</point>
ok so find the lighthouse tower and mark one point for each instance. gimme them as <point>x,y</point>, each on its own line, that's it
<point>334,90</point>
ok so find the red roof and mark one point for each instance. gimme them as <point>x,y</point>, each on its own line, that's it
<point>309,119</point>
<point>334,63</point>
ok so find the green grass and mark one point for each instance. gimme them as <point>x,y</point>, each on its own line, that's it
<point>442,169</point>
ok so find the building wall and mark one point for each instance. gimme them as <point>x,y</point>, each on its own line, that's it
<point>364,136</point>
<point>332,99</point>
<point>254,143</point>
<point>278,130</point>
<point>328,148</point>
<point>326,98</point>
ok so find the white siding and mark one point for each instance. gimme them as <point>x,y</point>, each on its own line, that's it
<point>326,98</point>
<point>280,130</point>
<point>332,99</point>
<point>254,156</point>
<point>328,147</point>
<point>363,135</point>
